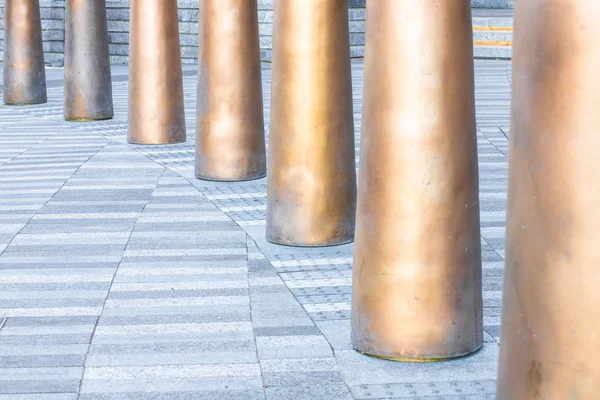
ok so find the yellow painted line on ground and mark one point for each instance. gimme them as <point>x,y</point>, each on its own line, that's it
<point>491,43</point>
<point>493,28</point>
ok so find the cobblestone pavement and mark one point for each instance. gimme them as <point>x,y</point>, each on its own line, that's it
<point>124,277</point>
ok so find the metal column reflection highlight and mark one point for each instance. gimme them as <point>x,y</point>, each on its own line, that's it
<point>312,176</point>
<point>156,112</point>
<point>88,86</point>
<point>551,304</point>
<point>230,138</point>
<point>24,74</point>
<point>417,290</point>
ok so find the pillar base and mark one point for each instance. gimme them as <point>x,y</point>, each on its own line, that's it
<point>324,244</point>
<point>25,104</point>
<point>424,360</point>
<point>88,119</point>
<point>245,179</point>
<point>155,143</point>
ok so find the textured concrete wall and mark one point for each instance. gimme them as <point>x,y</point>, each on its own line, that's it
<point>118,25</point>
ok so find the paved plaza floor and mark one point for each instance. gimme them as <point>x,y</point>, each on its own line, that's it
<point>124,277</point>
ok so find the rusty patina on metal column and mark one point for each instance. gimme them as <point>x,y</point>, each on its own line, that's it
<point>24,74</point>
<point>550,338</point>
<point>230,138</point>
<point>312,176</point>
<point>417,290</point>
<point>156,112</point>
<point>88,85</point>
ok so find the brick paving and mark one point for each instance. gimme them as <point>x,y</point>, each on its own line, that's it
<point>124,277</point>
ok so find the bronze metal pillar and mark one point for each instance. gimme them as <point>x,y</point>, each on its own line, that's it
<point>24,74</point>
<point>312,176</point>
<point>417,291</point>
<point>156,113</point>
<point>88,86</point>
<point>230,138</point>
<point>551,307</point>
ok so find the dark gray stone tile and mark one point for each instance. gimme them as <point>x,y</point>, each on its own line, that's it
<point>39,386</point>
<point>42,361</point>
<point>17,340</point>
<point>287,331</point>
<point>49,321</point>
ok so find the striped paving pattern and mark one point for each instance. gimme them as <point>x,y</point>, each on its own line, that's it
<point>177,315</point>
<point>124,277</point>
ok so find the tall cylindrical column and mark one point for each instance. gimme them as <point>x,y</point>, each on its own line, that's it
<point>24,74</point>
<point>88,86</point>
<point>551,307</point>
<point>156,113</point>
<point>312,176</point>
<point>417,291</point>
<point>230,138</point>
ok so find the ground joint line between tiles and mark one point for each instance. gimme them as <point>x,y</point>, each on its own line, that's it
<point>87,352</point>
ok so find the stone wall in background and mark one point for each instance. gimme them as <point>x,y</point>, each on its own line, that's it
<point>493,3</point>
<point>53,14</point>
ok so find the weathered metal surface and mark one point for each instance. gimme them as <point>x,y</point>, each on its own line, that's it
<point>312,176</point>
<point>88,85</point>
<point>551,306</point>
<point>417,290</point>
<point>230,138</point>
<point>156,110</point>
<point>24,77</point>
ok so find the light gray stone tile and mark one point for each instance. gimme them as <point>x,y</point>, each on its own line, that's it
<point>299,365</point>
<point>206,310</point>
<point>290,347</point>
<point>179,395</point>
<point>291,379</point>
<point>165,385</point>
<point>49,321</point>
<point>360,369</point>
<point>161,338</point>
<point>39,396</point>
<point>197,371</point>
<point>337,333</point>
<point>309,392</point>
<point>162,358</point>
<point>39,374</point>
